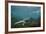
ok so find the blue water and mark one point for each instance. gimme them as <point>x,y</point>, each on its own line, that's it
<point>21,12</point>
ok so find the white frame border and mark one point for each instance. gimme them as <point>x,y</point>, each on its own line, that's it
<point>23,29</point>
